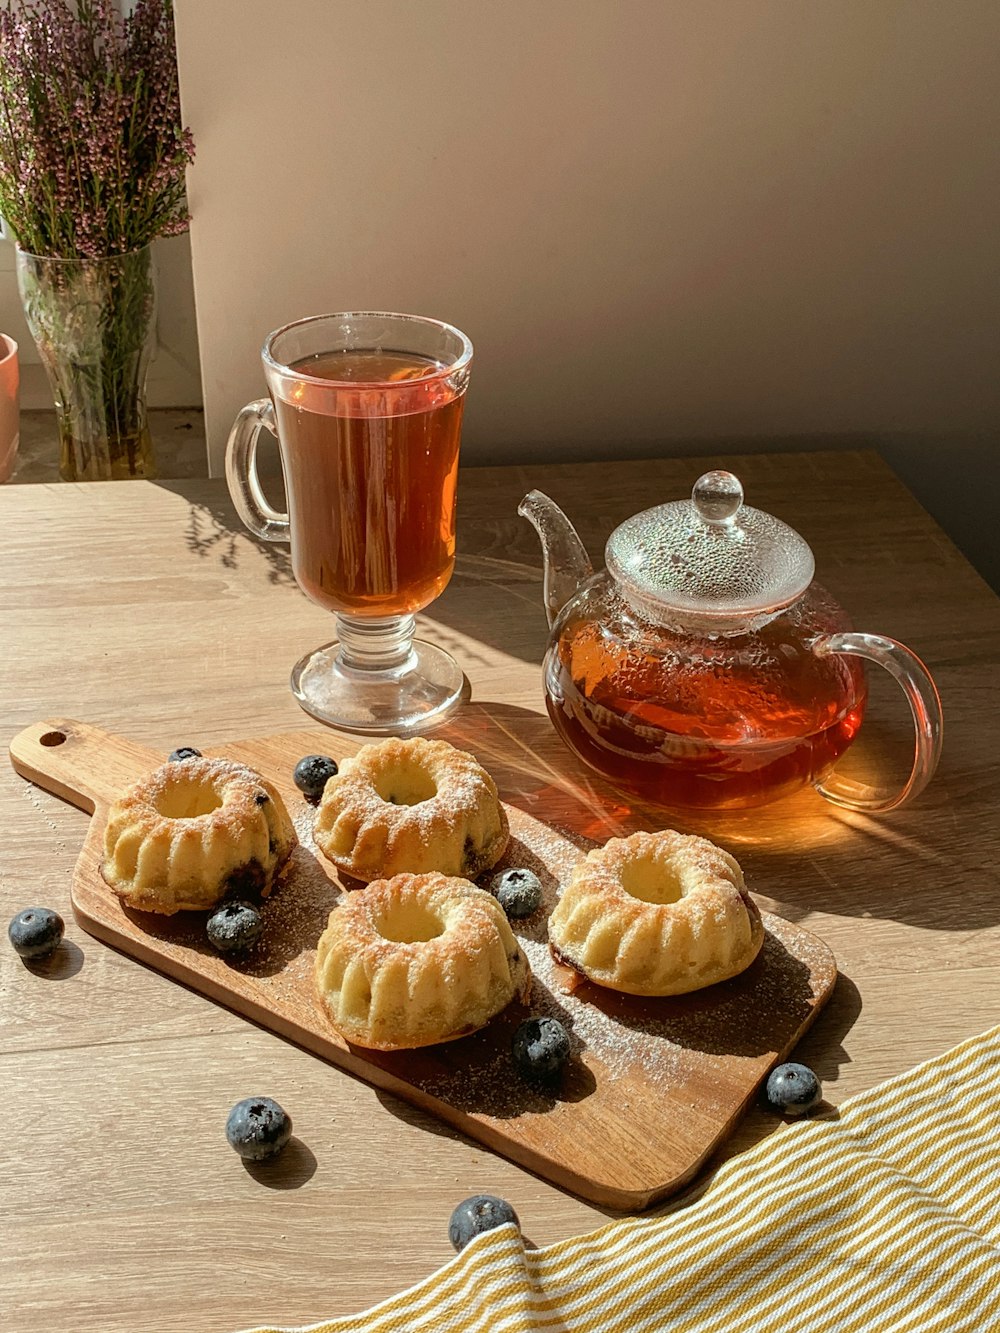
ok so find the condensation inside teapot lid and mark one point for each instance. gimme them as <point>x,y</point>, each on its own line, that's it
<point>711,555</point>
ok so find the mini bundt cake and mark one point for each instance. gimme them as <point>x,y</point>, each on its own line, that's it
<point>415,960</point>
<point>411,805</point>
<point>193,831</point>
<point>657,914</point>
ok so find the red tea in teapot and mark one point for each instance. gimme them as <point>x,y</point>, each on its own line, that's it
<point>721,722</point>
<point>704,668</point>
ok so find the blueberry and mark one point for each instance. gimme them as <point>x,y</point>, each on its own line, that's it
<point>540,1047</point>
<point>258,1128</point>
<point>473,1216</point>
<point>234,926</point>
<point>183,752</point>
<point>36,932</point>
<point>313,773</point>
<point>793,1089</point>
<point>519,892</point>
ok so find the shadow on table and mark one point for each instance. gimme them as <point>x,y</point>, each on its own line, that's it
<point>214,532</point>
<point>295,914</point>
<point>65,962</point>
<point>714,1021</point>
<point>822,1048</point>
<point>477,1076</point>
<point>801,856</point>
<point>289,1170</point>
<point>507,567</point>
<point>804,854</point>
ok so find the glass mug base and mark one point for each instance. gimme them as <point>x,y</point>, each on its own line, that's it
<point>400,700</point>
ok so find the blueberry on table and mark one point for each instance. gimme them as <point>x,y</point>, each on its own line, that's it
<point>234,926</point>
<point>519,892</point>
<point>258,1128</point>
<point>183,752</point>
<point>481,1213</point>
<point>313,773</point>
<point>793,1089</point>
<point>541,1047</point>
<point>36,932</point>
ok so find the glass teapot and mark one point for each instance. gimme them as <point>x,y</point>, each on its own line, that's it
<point>704,668</point>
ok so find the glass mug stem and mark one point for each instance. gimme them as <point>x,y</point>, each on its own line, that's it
<point>925,705</point>
<point>366,408</point>
<point>379,644</point>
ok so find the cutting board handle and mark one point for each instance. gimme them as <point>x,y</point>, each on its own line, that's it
<point>82,764</point>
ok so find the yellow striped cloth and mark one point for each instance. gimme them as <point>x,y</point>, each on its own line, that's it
<point>882,1216</point>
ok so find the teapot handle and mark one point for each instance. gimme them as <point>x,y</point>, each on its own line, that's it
<point>925,705</point>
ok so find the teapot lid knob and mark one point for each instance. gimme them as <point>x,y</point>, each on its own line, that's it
<point>717,496</point>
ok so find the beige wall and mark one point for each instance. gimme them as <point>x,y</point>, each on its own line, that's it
<point>657,219</point>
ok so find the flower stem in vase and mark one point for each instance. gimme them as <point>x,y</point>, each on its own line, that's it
<point>93,321</point>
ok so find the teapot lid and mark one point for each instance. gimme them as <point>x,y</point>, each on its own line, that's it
<point>711,558</point>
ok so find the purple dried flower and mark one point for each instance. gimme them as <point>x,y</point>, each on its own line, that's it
<point>92,149</point>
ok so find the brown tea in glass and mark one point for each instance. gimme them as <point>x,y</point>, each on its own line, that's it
<point>367,409</point>
<point>371,480</point>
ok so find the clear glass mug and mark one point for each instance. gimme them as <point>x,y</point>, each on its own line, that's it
<point>367,411</point>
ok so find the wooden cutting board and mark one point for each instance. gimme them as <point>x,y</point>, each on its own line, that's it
<point>654,1085</point>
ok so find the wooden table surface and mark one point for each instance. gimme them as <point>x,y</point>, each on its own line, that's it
<point>143,608</point>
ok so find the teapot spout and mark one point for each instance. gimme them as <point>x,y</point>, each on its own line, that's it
<point>567,563</point>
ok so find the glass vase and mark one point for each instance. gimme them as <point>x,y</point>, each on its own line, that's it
<point>93,322</point>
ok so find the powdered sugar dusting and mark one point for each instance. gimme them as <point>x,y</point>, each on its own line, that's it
<point>295,916</point>
<point>632,1057</point>
<point>651,1045</point>
<point>392,801</point>
<point>303,817</point>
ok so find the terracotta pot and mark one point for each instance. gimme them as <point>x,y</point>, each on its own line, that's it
<point>10,405</point>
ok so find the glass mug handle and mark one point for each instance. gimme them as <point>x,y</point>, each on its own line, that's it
<point>925,705</point>
<point>241,472</point>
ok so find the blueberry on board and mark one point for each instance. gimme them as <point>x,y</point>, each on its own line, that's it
<point>541,1047</point>
<point>258,1128</point>
<point>234,926</point>
<point>313,773</point>
<point>793,1089</point>
<point>519,892</point>
<point>183,752</point>
<point>35,932</point>
<point>481,1213</point>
